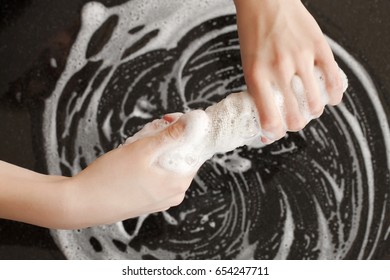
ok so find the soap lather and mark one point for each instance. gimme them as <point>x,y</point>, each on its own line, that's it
<point>222,127</point>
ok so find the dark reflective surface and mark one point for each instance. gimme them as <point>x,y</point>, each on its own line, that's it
<point>34,32</point>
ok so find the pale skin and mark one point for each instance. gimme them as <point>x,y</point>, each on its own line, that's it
<point>123,183</point>
<point>278,39</point>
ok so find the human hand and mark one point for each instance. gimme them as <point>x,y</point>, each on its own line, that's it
<point>280,39</point>
<point>127,182</point>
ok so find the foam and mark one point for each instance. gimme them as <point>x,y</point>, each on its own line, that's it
<point>225,126</point>
<point>334,156</point>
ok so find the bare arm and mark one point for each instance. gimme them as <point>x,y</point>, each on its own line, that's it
<point>121,184</point>
<point>32,197</point>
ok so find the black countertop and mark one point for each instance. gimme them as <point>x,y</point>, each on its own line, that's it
<point>32,32</point>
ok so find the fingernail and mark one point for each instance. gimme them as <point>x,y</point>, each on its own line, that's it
<point>266,141</point>
<point>269,135</point>
<point>172,116</point>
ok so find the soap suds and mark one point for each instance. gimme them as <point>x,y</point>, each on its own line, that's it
<point>53,62</point>
<point>227,125</point>
<point>320,186</point>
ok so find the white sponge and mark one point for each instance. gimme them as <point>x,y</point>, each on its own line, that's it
<point>222,127</point>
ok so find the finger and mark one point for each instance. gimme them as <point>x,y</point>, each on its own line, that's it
<point>165,139</point>
<point>169,203</point>
<point>325,61</point>
<point>269,114</point>
<point>333,81</point>
<point>178,199</point>
<point>172,117</point>
<point>149,129</point>
<point>313,98</point>
<point>173,133</point>
<point>266,141</point>
<point>174,190</point>
<point>293,117</point>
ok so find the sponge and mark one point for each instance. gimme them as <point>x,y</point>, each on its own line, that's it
<point>222,127</point>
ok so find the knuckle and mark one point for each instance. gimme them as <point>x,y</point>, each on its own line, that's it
<point>285,74</point>
<point>335,98</point>
<point>298,49</point>
<point>320,43</point>
<point>284,71</point>
<point>335,89</point>
<point>295,123</point>
<point>316,108</point>
<point>334,81</point>
<point>303,52</point>
<point>280,60</point>
<point>180,187</point>
<point>175,131</point>
<point>253,74</point>
<point>178,199</point>
<point>164,209</point>
<point>271,124</point>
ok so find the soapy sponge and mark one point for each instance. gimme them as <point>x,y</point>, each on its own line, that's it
<point>222,127</point>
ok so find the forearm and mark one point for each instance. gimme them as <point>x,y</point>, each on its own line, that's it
<point>261,4</point>
<point>258,18</point>
<point>34,198</point>
<point>121,184</point>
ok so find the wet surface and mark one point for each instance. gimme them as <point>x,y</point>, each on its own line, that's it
<point>253,214</point>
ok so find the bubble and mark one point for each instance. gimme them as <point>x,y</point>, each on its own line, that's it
<point>320,193</point>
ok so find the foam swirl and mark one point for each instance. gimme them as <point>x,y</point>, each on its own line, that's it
<point>320,193</point>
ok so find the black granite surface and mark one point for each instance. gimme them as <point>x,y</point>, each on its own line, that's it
<point>33,30</point>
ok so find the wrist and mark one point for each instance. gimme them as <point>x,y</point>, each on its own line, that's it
<point>67,200</point>
<point>49,202</point>
<point>259,6</point>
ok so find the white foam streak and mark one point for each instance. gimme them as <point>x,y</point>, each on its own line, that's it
<point>288,232</point>
<point>224,126</point>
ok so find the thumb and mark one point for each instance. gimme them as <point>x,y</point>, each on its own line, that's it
<point>165,146</point>
<point>187,129</point>
<point>169,137</point>
<point>173,132</point>
<point>179,146</point>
